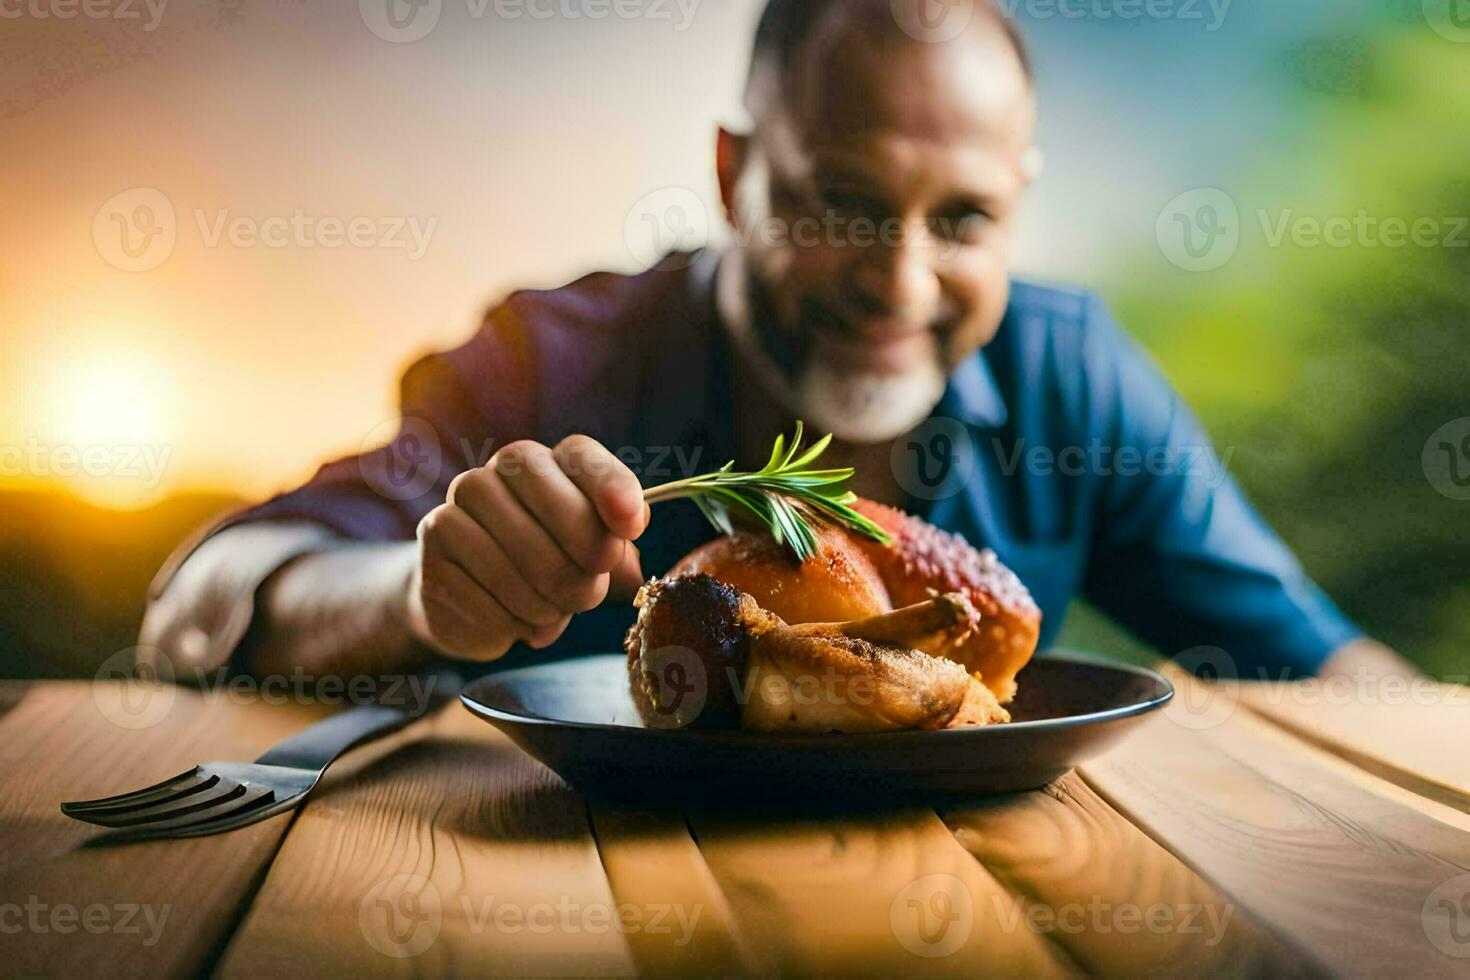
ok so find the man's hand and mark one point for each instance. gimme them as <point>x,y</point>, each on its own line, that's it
<point>523,543</point>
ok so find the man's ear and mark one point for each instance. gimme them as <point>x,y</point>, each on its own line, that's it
<point>731,150</point>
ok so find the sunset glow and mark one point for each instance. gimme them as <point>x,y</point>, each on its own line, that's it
<point>106,419</point>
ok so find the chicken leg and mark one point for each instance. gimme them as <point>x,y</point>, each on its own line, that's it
<point>759,673</point>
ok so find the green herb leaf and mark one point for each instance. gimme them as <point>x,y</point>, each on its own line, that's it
<point>787,497</point>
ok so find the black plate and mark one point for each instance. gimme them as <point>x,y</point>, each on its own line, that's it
<point>576,716</point>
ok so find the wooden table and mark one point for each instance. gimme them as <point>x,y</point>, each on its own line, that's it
<point>1247,830</point>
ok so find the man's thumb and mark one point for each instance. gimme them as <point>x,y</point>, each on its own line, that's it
<point>627,577</point>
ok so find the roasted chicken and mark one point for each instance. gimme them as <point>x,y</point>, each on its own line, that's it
<point>705,655</point>
<point>855,578</point>
<point>926,632</point>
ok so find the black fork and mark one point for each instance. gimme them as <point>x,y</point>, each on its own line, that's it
<point>217,796</point>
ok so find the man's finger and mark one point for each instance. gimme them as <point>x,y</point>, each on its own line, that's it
<point>473,548</point>
<point>481,628</point>
<point>533,474</point>
<point>547,568</point>
<point>607,482</point>
<point>627,577</point>
<point>547,635</point>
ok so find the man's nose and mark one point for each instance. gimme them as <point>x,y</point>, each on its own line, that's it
<point>896,279</point>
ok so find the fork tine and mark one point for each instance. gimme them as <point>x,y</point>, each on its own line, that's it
<point>237,811</point>
<point>184,782</point>
<point>243,815</point>
<point>218,791</point>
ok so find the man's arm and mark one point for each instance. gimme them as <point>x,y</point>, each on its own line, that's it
<point>419,547</point>
<point>519,546</point>
<point>342,610</point>
<point>271,596</point>
<point>297,594</point>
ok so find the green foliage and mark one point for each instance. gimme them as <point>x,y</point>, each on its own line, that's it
<point>1328,368</point>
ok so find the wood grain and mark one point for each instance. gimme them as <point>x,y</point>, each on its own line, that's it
<point>1411,733</point>
<point>1343,872</point>
<point>883,894</point>
<point>92,905</point>
<point>651,860</point>
<point>453,853</point>
<point>1119,903</point>
<point>448,837</point>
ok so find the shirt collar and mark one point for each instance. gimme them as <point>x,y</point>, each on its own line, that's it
<point>973,396</point>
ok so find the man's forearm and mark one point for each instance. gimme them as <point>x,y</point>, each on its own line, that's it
<point>310,599</point>
<point>340,610</point>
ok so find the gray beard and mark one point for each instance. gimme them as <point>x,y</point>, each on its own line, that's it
<point>866,408</point>
<point>857,408</point>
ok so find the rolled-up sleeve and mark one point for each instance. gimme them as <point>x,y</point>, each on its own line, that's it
<point>455,409</point>
<point>1180,556</point>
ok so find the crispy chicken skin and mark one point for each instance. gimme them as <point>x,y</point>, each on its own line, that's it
<point>690,638</point>
<point>838,585</point>
<point>748,668</point>
<point>856,577</point>
<point>922,560</point>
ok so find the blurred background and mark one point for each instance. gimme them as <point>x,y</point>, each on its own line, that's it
<point>227,225</point>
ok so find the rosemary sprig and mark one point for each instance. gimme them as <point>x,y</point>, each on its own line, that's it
<point>788,497</point>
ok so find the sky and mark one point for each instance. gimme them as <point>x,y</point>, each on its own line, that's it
<point>226,226</point>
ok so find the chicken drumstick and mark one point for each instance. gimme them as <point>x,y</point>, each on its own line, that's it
<point>704,654</point>
<point>855,577</point>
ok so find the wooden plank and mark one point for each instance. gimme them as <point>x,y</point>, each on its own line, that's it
<point>652,862</point>
<point>882,894</point>
<point>11,693</point>
<point>1332,860</point>
<point>150,909</point>
<point>1119,903</point>
<point>454,854</point>
<point>1395,728</point>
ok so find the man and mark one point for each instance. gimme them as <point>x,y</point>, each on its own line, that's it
<point>873,204</point>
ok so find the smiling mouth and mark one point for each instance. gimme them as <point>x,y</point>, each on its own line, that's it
<point>887,351</point>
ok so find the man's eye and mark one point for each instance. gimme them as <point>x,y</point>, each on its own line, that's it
<point>965,225</point>
<point>850,204</point>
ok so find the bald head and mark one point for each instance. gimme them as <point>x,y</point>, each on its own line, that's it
<point>791,30</point>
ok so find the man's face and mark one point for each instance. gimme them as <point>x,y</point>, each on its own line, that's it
<point>873,209</point>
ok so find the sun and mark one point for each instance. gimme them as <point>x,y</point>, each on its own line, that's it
<point>112,404</point>
<point>107,433</point>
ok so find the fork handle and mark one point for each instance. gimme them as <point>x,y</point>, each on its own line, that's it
<point>317,746</point>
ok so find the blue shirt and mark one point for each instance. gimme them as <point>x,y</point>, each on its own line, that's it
<point>1060,445</point>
